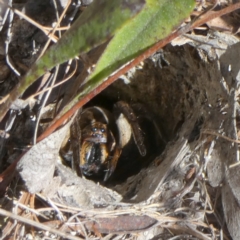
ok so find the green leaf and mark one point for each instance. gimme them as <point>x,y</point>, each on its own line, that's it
<point>96,24</point>
<point>156,21</point>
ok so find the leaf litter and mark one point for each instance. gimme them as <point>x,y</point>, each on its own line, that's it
<point>178,194</point>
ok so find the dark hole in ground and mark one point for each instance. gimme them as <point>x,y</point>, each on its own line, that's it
<point>131,161</point>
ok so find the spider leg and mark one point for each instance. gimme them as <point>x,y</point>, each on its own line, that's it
<point>112,163</point>
<point>137,133</point>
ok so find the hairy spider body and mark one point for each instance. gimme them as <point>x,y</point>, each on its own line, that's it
<point>98,137</point>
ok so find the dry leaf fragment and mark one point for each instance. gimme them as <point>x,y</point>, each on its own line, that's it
<point>37,166</point>
<point>123,223</point>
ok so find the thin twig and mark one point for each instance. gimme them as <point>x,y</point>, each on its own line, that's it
<point>205,131</point>
<point>37,225</point>
<point>7,42</point>
<point>39,26</point>
<point>55,85</point>
<point>43,104</point>
<point>54,29</point>
<point>5,15</point>
<point>31,210</point>
<point>51,203</point>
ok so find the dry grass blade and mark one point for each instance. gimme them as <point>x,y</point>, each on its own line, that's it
<point>36,224</point>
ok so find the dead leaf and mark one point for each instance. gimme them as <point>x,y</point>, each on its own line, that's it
<point>123,223</point>
<point>37,166</point>
<point>78,192</point>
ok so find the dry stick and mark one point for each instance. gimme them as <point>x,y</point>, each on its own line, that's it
<point>205,131</point>
<point>7,42</point>
<point>54,29</point>
<point>207,17</point>
<point>4,18</point>
<point>3,99</point>
<point>54,86</point>
<point>52,83</point>
<point>37,225</point>
<point>45,29</point>
<point>39,26</point>
<point>29,209</point>
<point>210,132</point>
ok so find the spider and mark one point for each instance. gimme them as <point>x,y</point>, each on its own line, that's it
<point>98,137</point>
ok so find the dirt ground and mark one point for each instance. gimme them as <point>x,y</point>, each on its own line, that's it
<point>186,187</point>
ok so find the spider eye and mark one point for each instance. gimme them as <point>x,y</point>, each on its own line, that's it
<point>94,129</point>
<point>102,130</point>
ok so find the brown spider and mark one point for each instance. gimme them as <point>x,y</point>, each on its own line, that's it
<point>98,137</point>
